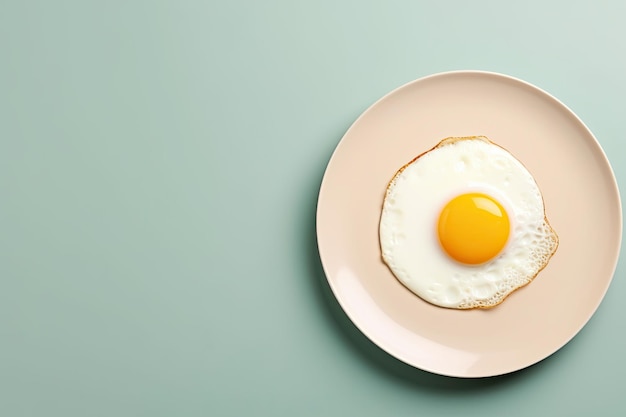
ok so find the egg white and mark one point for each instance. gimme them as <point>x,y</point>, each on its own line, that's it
<point>413,203</point>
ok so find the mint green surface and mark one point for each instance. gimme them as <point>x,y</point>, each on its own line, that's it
<point>159,169</point>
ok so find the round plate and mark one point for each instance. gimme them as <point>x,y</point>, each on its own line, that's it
<point>581,199</point>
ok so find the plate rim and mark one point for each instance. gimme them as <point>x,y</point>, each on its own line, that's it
<point>613,185</point>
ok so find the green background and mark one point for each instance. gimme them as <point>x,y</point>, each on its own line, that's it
<point>159,169</point>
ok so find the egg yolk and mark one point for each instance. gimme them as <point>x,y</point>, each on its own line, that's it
<point>473,228</point>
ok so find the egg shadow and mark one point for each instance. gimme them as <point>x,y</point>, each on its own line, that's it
<point>359,346</point>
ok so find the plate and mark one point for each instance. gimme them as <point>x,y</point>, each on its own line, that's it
<point>581,199</point>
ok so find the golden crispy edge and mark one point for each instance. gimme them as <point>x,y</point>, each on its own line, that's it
<point>449,141</point>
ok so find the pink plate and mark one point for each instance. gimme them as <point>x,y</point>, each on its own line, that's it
<point>582,204</point>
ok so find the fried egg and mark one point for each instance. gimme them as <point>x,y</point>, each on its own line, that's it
<point>463,225</point>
